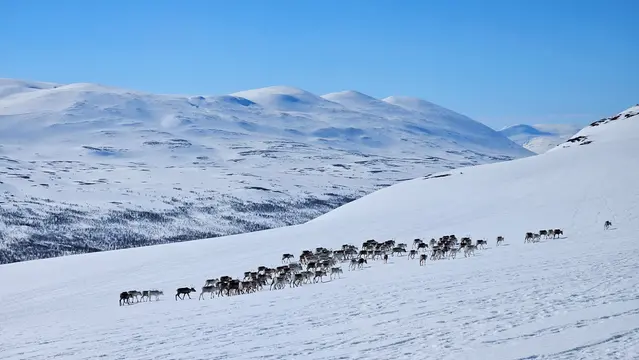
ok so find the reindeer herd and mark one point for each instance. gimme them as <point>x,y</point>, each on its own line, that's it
<point>546,234</point>
<point>311,267</point>
<point>128,296</point>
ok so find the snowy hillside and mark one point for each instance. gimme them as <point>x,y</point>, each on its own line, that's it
<point>541,137</point>
<point>86,167</point>
<point>569,297</point>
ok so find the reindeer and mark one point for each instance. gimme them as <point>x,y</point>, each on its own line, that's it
<point>435,252</point>
<point>353,264</point>
<point>369,244</point>
<point>469,249</point>
<point>262,279</point>
<point>308,276</point>
<point>287,257</point>
<point>247,287</point>
<point>385,258</point>
<point>311,265</point>
<point>156,294</point>
<point>422,259</point>
<point>319,276</point>
<point>536,238</point>
<point>557,232</point>
<point>417,242</point>
<point>529,237</point>
<point>208,289</point>
<point>235,285</point>
<point>183,291</point>
<point>350,252</point>
<point>210,282</point>
<point>148,293</point>
<point>543,233</point>
<point>500,239</point>
<point>125,298</point>
<point>481,243</point>
<point>360,263</point>
<point>298,279</point>
<point>280,281</point>
<point>295,267</point>
<point>412,254</point>
<point>336,271</point>
<point>607,225</point>
<point>422,246</point>
<point>134,295</point>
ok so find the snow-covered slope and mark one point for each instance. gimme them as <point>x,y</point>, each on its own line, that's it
<point>571,297</point>
<point>591,133</point>
<point>87,167</point>
<point>541,137</point>
<point>11,86</point>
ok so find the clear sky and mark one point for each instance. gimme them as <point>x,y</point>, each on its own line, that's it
<point>500,62</point>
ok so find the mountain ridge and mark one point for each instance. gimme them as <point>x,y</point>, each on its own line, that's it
<point>80,161</point>
<point>540,138</point>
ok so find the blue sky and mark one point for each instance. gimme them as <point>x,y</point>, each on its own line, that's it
<point>501,62</point>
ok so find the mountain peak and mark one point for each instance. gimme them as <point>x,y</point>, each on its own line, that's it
<point>348,94</point>
<point>522,129</point>
<point>284,98</point>
<point>413,103</point>
<point>275,89</point>
<point>358,101</point>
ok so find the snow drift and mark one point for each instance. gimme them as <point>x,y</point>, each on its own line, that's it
<point>570,297</point>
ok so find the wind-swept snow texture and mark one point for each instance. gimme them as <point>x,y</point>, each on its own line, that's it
<point>573,297</point>
<point>85,167</point>
<point>541,137</point>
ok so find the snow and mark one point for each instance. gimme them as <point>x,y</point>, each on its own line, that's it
<point>80,161</point>
<point>286,98</point>
<point>572,297</point>
<point>361,102</point>
<point>540,138</point>
<point>440,121</point>
<point>11,86</point>
<point>591,133</point>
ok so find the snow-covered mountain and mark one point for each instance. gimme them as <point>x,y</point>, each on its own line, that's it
<point>569,297</point>
<point>541,137</point>
<point>86,167</point>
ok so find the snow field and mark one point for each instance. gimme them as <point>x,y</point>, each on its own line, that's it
<point>574,297</point>
<point>560,299</point>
